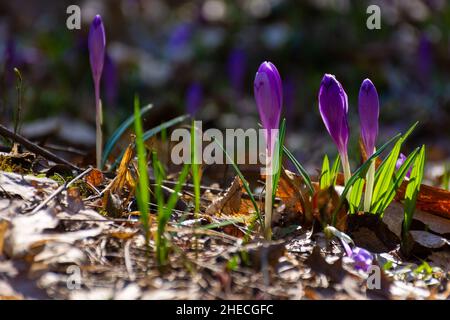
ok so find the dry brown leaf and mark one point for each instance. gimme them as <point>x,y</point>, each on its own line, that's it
<point>74,201</point>
<point>94,177</point>
<point>231,203</point>
<point>122,173</point>
<point>324,204</point>
<point>431,199</point>
<point>3,227</point>
<point>293,193</point>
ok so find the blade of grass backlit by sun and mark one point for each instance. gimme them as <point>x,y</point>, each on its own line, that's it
<point>109,146</point>
<point>412,191</point>
<point>384,174</point>
<point>152,132</point>
<point>142,193</point>
<point>195,168</point>
<point>398,179</point>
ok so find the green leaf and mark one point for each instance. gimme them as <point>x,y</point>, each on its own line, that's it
<point>120,131</point>
<point>412,190</point>
<point>304,174</point>
<point>325,180</point>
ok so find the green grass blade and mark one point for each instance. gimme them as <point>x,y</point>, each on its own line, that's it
<point>142,191</point>
<point>195,167</point>
<point>303,173</point>
<point>335,170</point>
<point>278,157</point>
<point>384,180</point>
<point>412,190</point>
<point>120,131</point>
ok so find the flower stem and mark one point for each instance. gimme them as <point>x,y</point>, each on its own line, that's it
<point>268,200</point>
<point>98,124</point>
<point>369,187</point>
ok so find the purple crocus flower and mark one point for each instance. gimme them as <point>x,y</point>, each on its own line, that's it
<point>97,45</point>
<point>333,107</point>
<point>362,258</point>
<point>236,66</point>
<point>269,99</point>
<point>194,98</point>
<point>369,109</point>
<point>401,159</point>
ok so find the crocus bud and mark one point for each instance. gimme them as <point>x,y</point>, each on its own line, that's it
<point>333,107</point>
<point>269,99</point>
<point>97,44</point>
<point>369,109</point>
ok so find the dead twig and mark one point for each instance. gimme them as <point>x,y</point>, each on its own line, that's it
<point>35,148</point>
<point>61,189</point>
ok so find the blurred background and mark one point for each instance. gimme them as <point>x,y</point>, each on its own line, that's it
<point>201,57</point>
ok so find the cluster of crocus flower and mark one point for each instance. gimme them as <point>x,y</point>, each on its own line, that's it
<point>269,100</point>
<point>97,45</point>
<point>333,107</point>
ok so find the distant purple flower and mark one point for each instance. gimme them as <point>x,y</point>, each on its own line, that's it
<point>369,109</point>
<point>401,159</point>
<point>362,258</point>
<point>179,38</point>
<point>194,98</point>
<point>333,107</point>
<point>237,67</point>
<point>110,80</point>
<point>269,99</point>
<point>424,58</point>
<point>97,45</point>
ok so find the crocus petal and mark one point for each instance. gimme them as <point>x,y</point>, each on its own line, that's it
<point>97,45</point>
<point>363,259</point>
<point>369,109</point>
<point>401,159</point>
<point>269,99</point>
<point>333,107</point>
